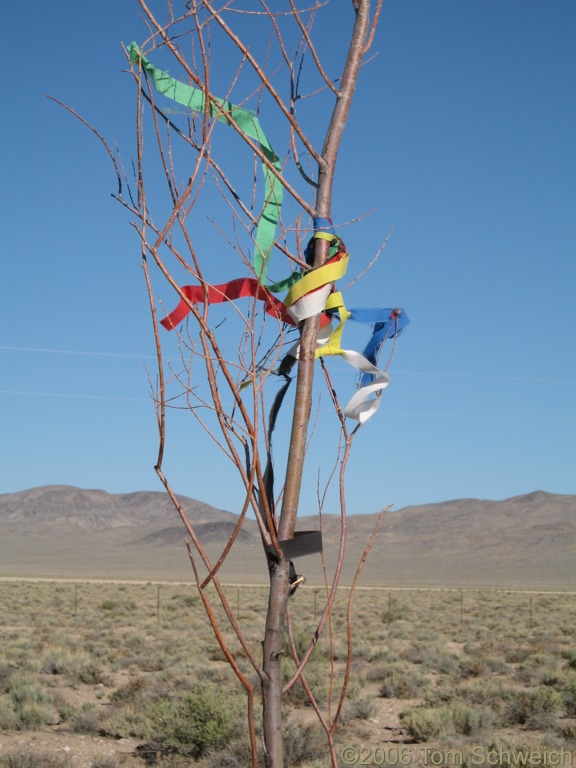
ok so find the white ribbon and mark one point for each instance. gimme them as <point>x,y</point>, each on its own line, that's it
<point>360,407</point>
<point>310,304</point>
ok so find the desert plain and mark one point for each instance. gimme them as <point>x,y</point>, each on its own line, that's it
<point>462,637</point>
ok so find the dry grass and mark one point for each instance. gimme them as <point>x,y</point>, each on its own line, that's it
<point>103,675</point>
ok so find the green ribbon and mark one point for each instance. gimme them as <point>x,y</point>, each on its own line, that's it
<point>247,121</point>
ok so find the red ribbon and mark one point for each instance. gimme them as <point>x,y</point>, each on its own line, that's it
<point>242,287</point>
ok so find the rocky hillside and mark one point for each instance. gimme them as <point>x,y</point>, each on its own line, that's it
<point>60,531</point>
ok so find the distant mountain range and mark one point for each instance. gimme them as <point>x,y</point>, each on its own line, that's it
<point>527,541</point>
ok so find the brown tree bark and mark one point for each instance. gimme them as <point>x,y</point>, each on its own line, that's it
<point>279,575</point>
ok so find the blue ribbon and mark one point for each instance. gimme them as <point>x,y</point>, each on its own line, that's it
<point>387,324</point>
<point>322,224</point>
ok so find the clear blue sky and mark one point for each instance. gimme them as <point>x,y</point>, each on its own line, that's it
<point>462,137</point>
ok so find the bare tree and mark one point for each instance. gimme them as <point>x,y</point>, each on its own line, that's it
<point>270,208</point>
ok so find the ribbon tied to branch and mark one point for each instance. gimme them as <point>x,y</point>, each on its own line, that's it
<point>311,292</point>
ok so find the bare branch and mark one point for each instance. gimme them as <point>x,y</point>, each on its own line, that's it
<point>221,379</point>
<point>312,49</point>
<point>97,134</point>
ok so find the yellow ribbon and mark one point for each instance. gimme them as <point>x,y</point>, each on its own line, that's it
<point>316,278</point>
<point>333,345</point>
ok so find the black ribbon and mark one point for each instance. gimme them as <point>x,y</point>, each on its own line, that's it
<point>303,543</point>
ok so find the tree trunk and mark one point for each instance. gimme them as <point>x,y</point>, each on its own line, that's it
<point>279,574</point>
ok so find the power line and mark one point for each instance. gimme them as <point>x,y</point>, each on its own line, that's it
<point>483,376</point>
<point>431,374</point>
<point>85,353</point>
<point>425,414</point>
<point>481,417</point>
<point>73,395</point>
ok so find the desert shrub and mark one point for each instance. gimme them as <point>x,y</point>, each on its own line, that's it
<point>172,761</point>
<point>189,600</point>
<point>381,655</point>
<point>375,674</point>
<point>362,652</point>
<point>108,605</point>
<point>31,703</point>
<point>134,690</point>
<point>319,763</point>
<point>6,672</point>
<point>91,673</point>
<point>318,683</point>
<point>86,720</point>
<point>31,717</point>
<point>8,717</point>
<point>66,712</point>
<point>361,708</point>
<point>105,761</point>
<point>224,760</point>
<point>468,720</point>
<point>78,667</point>
<point>483,647</point>
<point>537,668</point>
<point>472,667</point>
<point>400,630</point>
<point>517,654</point>
<point>417,653</point>
<point>569,695</point>
<point>303,742</point>
<point>179,601</point>
<point>536,709</point>
<point>302,641</point>
<point>27,758</point>
<point>566,730</point>
<point>200,721</point>
<point>495,664</point>
<point>236,755</point>
<point>494,694</point>
<point>402,683</point>
<point>214,675</point>
<point>424,723</point>
<point>128,721</point>
<point>480,664</point>
<point>24,689</point>
<point>445,662</point>
<point>552,679</point>
<point>215,653</point>
<point>545,705</point>
<point>316,673</point>
<point>58,661</point>
<point>395,610</point>
<point>441,693</point>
